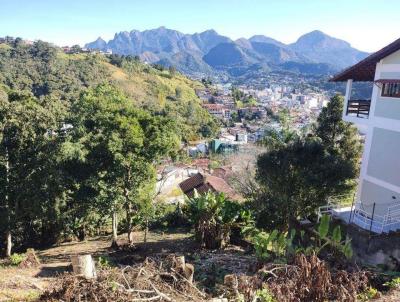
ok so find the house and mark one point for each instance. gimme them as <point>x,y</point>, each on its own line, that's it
<point>204,183</point>
<point>218,110</point>
<point>377,202</point>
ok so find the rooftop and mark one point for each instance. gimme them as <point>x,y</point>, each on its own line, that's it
<point>364,71</point>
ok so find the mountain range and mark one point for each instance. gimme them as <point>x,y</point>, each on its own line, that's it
<point>209,52</point>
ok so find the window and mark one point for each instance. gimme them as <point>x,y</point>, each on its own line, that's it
<point>391,90</point>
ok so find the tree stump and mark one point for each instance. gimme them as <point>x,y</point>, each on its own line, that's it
<point>84,266</point>
<point>31,260</point>
<point>185,269</point>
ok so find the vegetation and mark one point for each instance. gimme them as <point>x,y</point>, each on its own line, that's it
<point>213,216</point>
<point>16,259</point>
<point>75,149</point>
<point>45,70</point>
<point>80,137</point>
<point>110,151</point>
<point>298,173</point>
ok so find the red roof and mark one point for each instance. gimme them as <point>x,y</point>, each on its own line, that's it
<point>204,183</point>
<point>364,71</point>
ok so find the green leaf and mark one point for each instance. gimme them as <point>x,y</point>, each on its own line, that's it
<point>323,227</point>
<point>337,235</point>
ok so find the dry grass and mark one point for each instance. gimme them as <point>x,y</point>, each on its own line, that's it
<point>18,284</point>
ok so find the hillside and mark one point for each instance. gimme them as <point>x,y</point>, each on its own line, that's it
<point>47,71</point>
<point>208,52</point>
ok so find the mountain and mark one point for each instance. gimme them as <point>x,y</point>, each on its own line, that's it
<point>264,39</point>
<point>321,48</point>
<point>227,54</point>
<point>209,52</point>
<point>98,44</point>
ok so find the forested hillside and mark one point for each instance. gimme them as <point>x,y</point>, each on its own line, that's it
<point>80,136</point>
<point>47,71</point>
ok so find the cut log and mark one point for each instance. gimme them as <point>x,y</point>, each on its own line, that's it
<point>186,269</point>
<point>84,266</point>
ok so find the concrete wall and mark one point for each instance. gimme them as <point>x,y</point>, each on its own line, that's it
<point>388,107</point>
<point>372,193</point>
<point>384,156</point>
<point>394,58</point>
<point>381,250</point>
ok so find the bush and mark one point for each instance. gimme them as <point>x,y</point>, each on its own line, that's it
<point>368,294</point>
<point>213,216</point>
<point>16,259</point>
<point>394,283</point>
<point>104,262</point>
<point>169,216</point>
<point>264,295</point>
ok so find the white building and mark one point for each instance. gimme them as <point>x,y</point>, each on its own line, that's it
<point>377,203</point>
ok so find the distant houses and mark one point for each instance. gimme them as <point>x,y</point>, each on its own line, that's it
<point>203,183</point>
<point>218,110</point>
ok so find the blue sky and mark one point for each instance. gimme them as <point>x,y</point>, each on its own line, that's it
<point>367,25</point>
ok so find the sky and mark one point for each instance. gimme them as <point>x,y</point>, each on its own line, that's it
<point>368,25</point>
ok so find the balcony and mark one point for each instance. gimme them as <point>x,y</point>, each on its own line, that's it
<point>358,108</point>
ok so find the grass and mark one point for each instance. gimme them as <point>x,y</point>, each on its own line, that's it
<point>150,86</point>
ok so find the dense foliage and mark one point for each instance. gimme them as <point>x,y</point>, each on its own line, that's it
<point>80,135</point>
<point>213,216</point>
<point>298,173</point>
<point>65,172</point>
<point>45,70</point>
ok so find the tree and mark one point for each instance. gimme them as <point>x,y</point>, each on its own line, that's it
<point>297,174</point>
<point>117,144</point>
<point>339,137</point>
<point>296,179</point>
<point>28,142</point>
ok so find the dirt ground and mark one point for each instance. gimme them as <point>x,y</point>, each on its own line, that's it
<point>18,284</point>
<point>26,284</point>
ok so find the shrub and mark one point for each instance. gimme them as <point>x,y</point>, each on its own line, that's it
<point>394,283</point>
<point>104,262</point>
<point>264,295</point>
<point>276,242</point>
<point>16,258</point>
<point>213,216</point>
<point>168,216</point>
<point>368,294</point>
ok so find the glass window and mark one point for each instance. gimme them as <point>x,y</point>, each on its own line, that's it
<point>391,90</point>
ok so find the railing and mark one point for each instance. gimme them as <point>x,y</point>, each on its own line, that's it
<point>367,220</point>
<point>335,203</point>
<point>359,108</point>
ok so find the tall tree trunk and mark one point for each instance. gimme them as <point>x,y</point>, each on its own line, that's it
<point>130,225</point>
<point>114,229</point>
<point>7,205</point>
<point>9,243</point>
<point>146,230</point>
<point>128,206</point>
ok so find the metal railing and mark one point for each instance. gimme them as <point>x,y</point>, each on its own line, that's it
<point>359,108</point>
<point>335,203</point>
<point>365,219</point>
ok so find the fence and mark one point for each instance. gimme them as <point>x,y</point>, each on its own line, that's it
<point>366,220</point>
